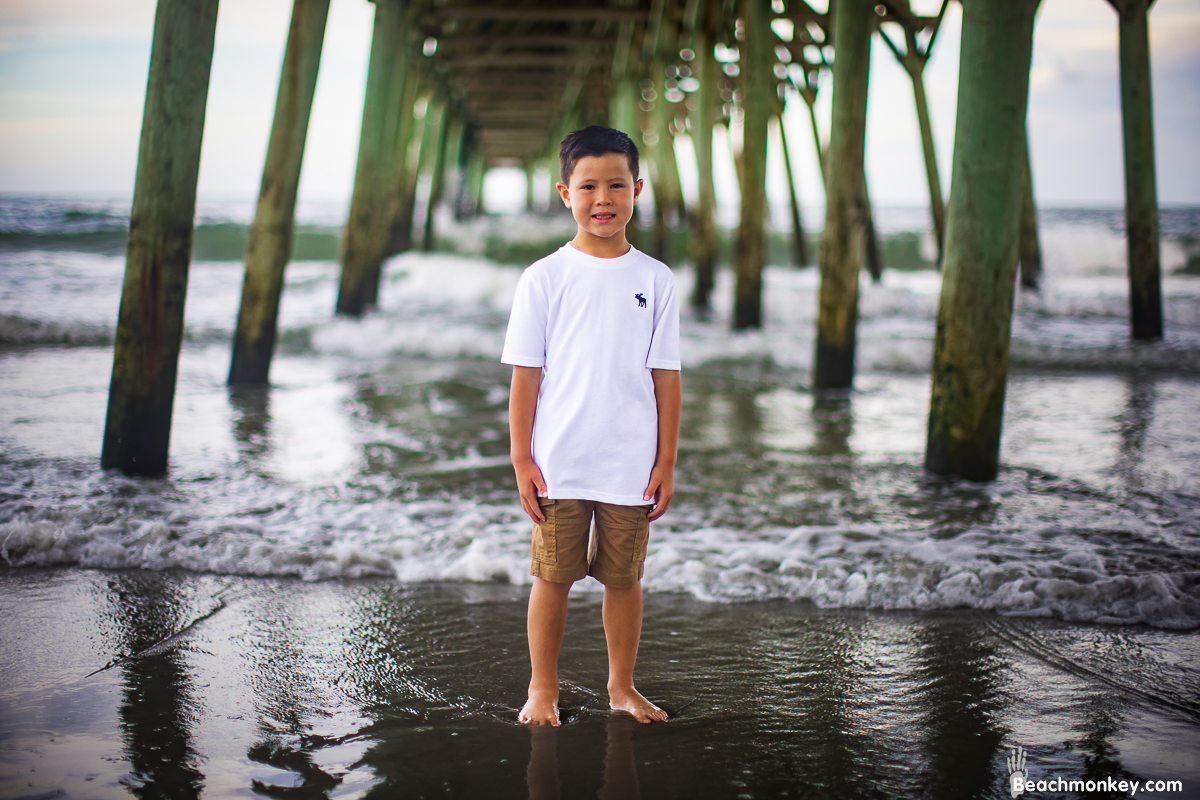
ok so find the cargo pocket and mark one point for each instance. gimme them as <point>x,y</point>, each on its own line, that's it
<point>545,543</point>
<point>641,536</point>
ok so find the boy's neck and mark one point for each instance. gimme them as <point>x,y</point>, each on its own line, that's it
<point>613,246</point>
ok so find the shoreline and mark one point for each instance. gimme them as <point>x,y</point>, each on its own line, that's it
<point>186,684</point>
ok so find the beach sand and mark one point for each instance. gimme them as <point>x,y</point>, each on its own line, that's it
<point>175,684</point>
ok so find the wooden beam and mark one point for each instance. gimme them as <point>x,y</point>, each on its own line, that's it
<point>502,40</point>
<point>517,81</point>
<point>535,14</point>
<point>805,15</point>
<point>520,60</point>
<point>137,429</point>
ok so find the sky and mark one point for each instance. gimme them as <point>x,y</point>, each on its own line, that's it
<point>73,77</point>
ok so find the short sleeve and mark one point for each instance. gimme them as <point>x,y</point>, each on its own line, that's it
<point>664,344</point>
<point>525,341</point>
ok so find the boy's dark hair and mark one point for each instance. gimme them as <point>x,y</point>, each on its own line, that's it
<point>595,140</point>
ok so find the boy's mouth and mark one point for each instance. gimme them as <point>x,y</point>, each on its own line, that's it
<point>603,216</point>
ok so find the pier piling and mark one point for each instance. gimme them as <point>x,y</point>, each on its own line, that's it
<point>757,82</point>
<point>970,360</point>
<point>366,236</point>
<point>843,243</point>
<point>702,233</point>
<point>270,243</point>
<point>799,246</point>
<point>1141,189</point>
<point>141,397</point>
<point>1030,253</point>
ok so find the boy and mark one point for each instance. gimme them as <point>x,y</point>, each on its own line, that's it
<point>594,344</point>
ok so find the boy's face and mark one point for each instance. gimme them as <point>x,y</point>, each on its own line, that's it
<point>601,194</point>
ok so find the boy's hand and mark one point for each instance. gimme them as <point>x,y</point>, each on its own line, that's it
<point>660,489</point>
<point>529,483</point>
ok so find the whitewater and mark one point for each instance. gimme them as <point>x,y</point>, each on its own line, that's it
<point>381,447</point>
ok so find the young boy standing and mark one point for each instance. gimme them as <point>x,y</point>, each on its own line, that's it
<point>594,415</point>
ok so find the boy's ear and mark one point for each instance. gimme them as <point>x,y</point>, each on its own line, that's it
<point>564,192</point>
<point>637,189</point>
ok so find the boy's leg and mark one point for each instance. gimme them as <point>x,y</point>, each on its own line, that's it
<point>623,629</point>
<point>621,536</point>
<point>547,620</point>
<point>559,559</point>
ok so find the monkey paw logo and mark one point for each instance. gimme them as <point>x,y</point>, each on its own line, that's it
<point>1017,774</point>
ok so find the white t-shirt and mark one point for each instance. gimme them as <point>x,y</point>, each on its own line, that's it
<point>596,327</point>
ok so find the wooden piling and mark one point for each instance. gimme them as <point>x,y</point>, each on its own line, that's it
<point>759,95</point>
<point>1141,190</point>
<point>437,166</point>
<point>799,246</point>
<point>913,59</point>
<point>365,238</point>
<point>702,237</point>
<point>970,360</point>
<point>402,193</point>
<point>874,252</point>
<point>668,165</point>
<point>141,396</point>
<point>937,206</point>
<point>529,174</point>
<point>1029,256</point>
<point>270,243</point>
<point>843,242</point>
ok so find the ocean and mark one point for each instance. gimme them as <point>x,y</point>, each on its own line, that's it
<point>376,466</point>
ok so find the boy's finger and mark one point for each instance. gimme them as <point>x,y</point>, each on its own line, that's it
<point>532,508</point>
<point>660,508</point>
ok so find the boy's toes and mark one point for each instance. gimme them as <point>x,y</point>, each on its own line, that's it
<point>639,707</point>
<point>540,709</point>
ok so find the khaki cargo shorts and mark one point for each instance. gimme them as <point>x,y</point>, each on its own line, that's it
<point>615,555</point>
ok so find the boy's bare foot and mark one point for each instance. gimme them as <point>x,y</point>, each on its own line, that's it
<point>630,701</point>
<point>541,708</point>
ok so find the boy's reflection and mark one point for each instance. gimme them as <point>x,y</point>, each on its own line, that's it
<point>620,772</point>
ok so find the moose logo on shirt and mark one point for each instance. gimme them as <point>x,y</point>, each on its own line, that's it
<point>641,300</point>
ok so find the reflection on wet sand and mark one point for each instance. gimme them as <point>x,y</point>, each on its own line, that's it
<point>1133,425</point>
<point>542,775</point>
<point>157,710</point>
<point>961,679</point>
<point>366,689</point>
<point>252,425</point>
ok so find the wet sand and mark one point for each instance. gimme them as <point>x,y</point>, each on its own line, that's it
<point>172,684</point>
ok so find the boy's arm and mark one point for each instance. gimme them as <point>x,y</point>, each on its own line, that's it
<point>522,403</point>
<point>668,395</point>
